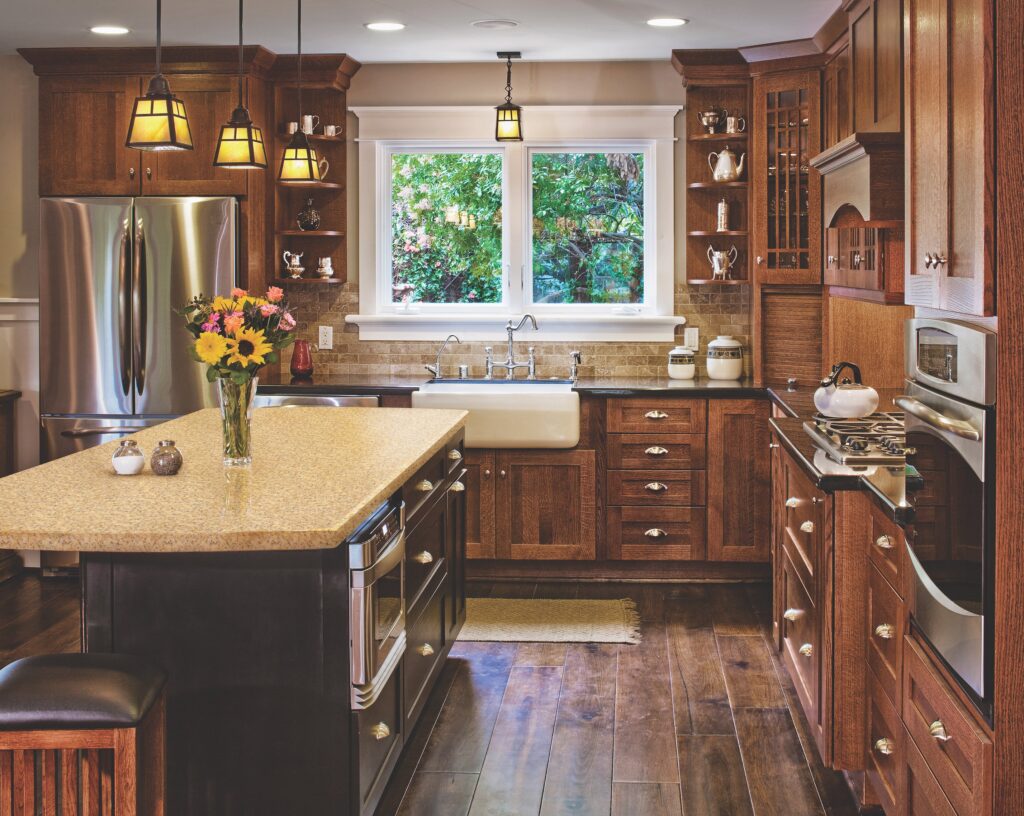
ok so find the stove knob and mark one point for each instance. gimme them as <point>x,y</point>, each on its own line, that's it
<point>855,444</point>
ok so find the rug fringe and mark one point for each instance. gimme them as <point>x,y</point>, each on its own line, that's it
<point>632,620</point>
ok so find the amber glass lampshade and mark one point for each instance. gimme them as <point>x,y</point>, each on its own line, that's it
<point>240,146</point>
<point>510,123</point>
<point>299,164</point>
<point>158,120</point>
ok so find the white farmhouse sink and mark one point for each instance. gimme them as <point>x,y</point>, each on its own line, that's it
<point>532,414</point>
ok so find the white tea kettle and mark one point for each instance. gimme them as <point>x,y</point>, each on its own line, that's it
<point>845,400</point>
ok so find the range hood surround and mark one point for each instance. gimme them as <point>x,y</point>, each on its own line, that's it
<point>865,171</point>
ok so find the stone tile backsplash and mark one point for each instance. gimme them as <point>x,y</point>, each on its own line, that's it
<point>713,311</point>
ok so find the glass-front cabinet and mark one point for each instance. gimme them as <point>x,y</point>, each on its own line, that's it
<point>786,225</point>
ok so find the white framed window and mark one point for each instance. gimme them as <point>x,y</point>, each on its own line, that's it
<point>460,233</point>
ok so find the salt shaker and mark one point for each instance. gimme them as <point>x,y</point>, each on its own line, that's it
<point>128,459</point>
<point>166,459</point>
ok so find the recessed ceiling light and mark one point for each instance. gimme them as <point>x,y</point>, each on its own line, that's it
<point>667,22</point>
<point>495,25</point>
<point>109,30</point>
<point>385,26</point>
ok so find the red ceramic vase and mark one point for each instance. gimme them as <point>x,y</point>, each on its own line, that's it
<point>302,359</point>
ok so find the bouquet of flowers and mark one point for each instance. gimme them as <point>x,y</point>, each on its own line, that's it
<point>235,337</point>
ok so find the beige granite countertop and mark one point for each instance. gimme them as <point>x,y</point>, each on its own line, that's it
<point>316,474</point>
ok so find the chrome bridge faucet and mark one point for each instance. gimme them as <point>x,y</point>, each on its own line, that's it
<point>436,368</point>
<point>510,365</point>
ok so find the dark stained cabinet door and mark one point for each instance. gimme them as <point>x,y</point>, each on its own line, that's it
<point>479,480</point>
<point>546,505</point>
<point>739,486</point>
<point>83,121</point>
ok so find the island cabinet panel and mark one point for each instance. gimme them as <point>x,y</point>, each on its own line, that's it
<point>738,477</point>
<point>426,544</point>
<point>378,737</point>
<point>455,555</point>
<point>479,500</point>
<point>99,164</point>
<point>426,636</point>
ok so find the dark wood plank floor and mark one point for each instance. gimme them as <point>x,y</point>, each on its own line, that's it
<point>697,720</point>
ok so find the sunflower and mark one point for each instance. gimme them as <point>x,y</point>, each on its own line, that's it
<point>248,347</point>
<point>211,347</point>
<point>223,304</point>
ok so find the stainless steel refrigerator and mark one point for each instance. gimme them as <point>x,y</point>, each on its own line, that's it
<point>113,355</point>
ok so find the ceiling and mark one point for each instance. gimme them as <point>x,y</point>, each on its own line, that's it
<point>437,30</point>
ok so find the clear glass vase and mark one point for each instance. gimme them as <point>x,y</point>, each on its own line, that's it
<point>236,420</point>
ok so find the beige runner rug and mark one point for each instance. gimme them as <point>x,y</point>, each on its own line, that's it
<point>551,621</point>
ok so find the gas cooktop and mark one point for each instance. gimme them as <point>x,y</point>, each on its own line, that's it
<point>878,439</point>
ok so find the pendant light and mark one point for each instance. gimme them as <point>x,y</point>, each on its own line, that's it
<point>509,126</point>
<point>240,146</point>
<point>299,164</point>
<point>158,119</point>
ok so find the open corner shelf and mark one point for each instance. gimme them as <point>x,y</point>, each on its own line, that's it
<point>310,281</point>
<point>312,233</point>
<point>714,185</point>
<point>313,137</point>
<point>716,234</point>
<point>311,185</point>
<point>710,282</point>
<point>718,137</point>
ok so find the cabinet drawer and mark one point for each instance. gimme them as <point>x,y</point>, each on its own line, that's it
<point>425,484</point>
<point>377,741</point>
<point>953,746</point>
<point>657,451</point>
<point>454,453</point>
<point>656,487</point>
<point>800,638</point>
<point>886,751</point>
<point>425,546</point>
<point>656,533</point>
<point>802,522</point>
<point>887,549</point>
<point>425,648</point>
<point>923,796</point>
<point>644,415</point>
<point>885,635</point>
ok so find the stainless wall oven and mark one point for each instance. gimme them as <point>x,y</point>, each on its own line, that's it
<point>950,416</point>
<point>376,602</point>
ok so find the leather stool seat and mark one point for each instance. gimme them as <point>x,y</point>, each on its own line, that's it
<point>77,691</point>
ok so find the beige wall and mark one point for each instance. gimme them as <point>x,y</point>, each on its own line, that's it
<point>18,195</point>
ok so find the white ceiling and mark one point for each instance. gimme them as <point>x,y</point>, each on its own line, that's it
<point>437,30</point>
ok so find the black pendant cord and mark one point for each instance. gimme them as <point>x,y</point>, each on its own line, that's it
<point>299,120</point>
<point>159,17</point>
<point>240,51</point>
<point>508,83</point>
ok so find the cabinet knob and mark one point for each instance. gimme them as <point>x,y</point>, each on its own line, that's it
<point>792,502</point>
<point>425,557</point>
<point>131,172</point>
<point>426,650</point>
<point>885,746</point>
<point>760,259</point>
<point>939,260</point>
<point>884,542</point>
<point>929,261</point>
<point>793,614</point>
<point>487,473</point>
<point>656,415</point>
<point>457,487</point>
<point>656,450</point>
<point>655,487</point>
<point>807,527</point>
<point>773,445</point>
<point>502,474</point>
<point>938,730</point>
<point>380,731</point>
<point>149,173</point>
<point>886,631</point>
<point>655,532</point>
<point>425,486</point>
<point>807,650</point>
<point>455,455</point>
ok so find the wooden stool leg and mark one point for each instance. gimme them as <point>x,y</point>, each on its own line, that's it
<point>154,771</point>
<point>126,772</point>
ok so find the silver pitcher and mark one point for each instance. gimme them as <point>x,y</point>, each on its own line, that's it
<point>711,119</point>
<point>724,166</point>
<point>293,263</point>
<point>722,262</point>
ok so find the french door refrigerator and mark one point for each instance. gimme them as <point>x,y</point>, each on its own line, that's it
<point>113,355</point>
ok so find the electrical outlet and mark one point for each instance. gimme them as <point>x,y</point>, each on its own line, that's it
<point>691,338</point>
<point>326,340</point>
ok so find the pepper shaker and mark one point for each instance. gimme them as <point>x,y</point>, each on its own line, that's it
<point>166,459</point>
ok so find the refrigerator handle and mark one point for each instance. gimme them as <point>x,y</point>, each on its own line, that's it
<point>79,433</point>
<point>139,308</point>
<point>123,307</point>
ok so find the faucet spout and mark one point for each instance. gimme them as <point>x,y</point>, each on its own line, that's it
<point>436,368</point>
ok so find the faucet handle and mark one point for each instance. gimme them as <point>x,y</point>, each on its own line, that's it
<point>576,356</point>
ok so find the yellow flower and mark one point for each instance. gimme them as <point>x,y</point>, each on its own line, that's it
<point>223,304</point>
<point>244,301</point>
<point>211,347</point>
<point>248,347</point>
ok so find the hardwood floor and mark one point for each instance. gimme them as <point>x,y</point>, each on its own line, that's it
<point>697,720</point>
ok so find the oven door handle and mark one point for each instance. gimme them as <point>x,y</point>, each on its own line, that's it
<point>941,422</point>
<point>391,557</point>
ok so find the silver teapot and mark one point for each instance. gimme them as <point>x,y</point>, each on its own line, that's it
<point>293,263</point>
<point>722,262</point>
<point>710,119</point>
<point>724,166</point>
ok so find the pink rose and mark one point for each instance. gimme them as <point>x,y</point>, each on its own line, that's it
<point>211,326</point>
<point>238,293</point>
<point>287,322</point>
<point>233,322</point>
<point>275,294</point>
<point>268,309</point>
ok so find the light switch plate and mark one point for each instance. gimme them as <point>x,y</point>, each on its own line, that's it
<point>326,340</point>
<point>691,338</point>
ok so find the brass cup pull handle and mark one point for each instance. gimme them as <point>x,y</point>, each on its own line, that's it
<point>455,455</point>
<point>807,527</point>
<point>457,487</point>
<point>380,731</point>
<point>807,650</point>
<point>656,415</point>
<point>885,542</point>
<point>886,631</point>
<point>938,730</point>
<point>885,746</point>
<point>425,557</point>
<point>655,487</point>
<point>425,486</point>
<point>656,450</point>
<point>131,172</point>
<point>426,650</point>
<point>792,502</point>
<point>655,532</point>
<point>793,614</point>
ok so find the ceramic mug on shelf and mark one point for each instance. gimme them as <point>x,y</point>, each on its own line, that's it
<point>324,167</point>
<point>325,268</point>
<point>735,124</point>
<point>291,127</point>
<point>309,123</point>
<point>332,130</point>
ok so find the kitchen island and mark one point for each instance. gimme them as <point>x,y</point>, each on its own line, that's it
<point>237,581</point>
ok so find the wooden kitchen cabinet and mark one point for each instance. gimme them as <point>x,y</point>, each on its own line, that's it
<point>864,260</point>
<point>479,498</point>
<point>950,155</point>
<point>876,65</point>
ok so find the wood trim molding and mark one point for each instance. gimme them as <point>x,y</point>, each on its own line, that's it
<point>184,59</point>
<point>323,70</point>
<point>833,29</point>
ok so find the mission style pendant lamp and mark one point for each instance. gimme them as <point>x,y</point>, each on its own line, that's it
<point>158,119</point>
<point>509,126</point>
<point>299,164</point>
<point>240,146</point>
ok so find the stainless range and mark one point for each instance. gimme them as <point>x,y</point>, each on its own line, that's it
<point>878,439</point>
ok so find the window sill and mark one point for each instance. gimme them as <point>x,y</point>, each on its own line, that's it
<point>551,328</point>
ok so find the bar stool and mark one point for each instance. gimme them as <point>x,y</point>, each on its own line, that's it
<point>87,730</point>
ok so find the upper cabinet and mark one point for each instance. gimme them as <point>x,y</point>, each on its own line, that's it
<point>950,164</point>
<point>876,63</point>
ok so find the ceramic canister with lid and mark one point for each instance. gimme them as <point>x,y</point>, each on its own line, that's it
<point>725,358</point>
<point>681,363</point>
